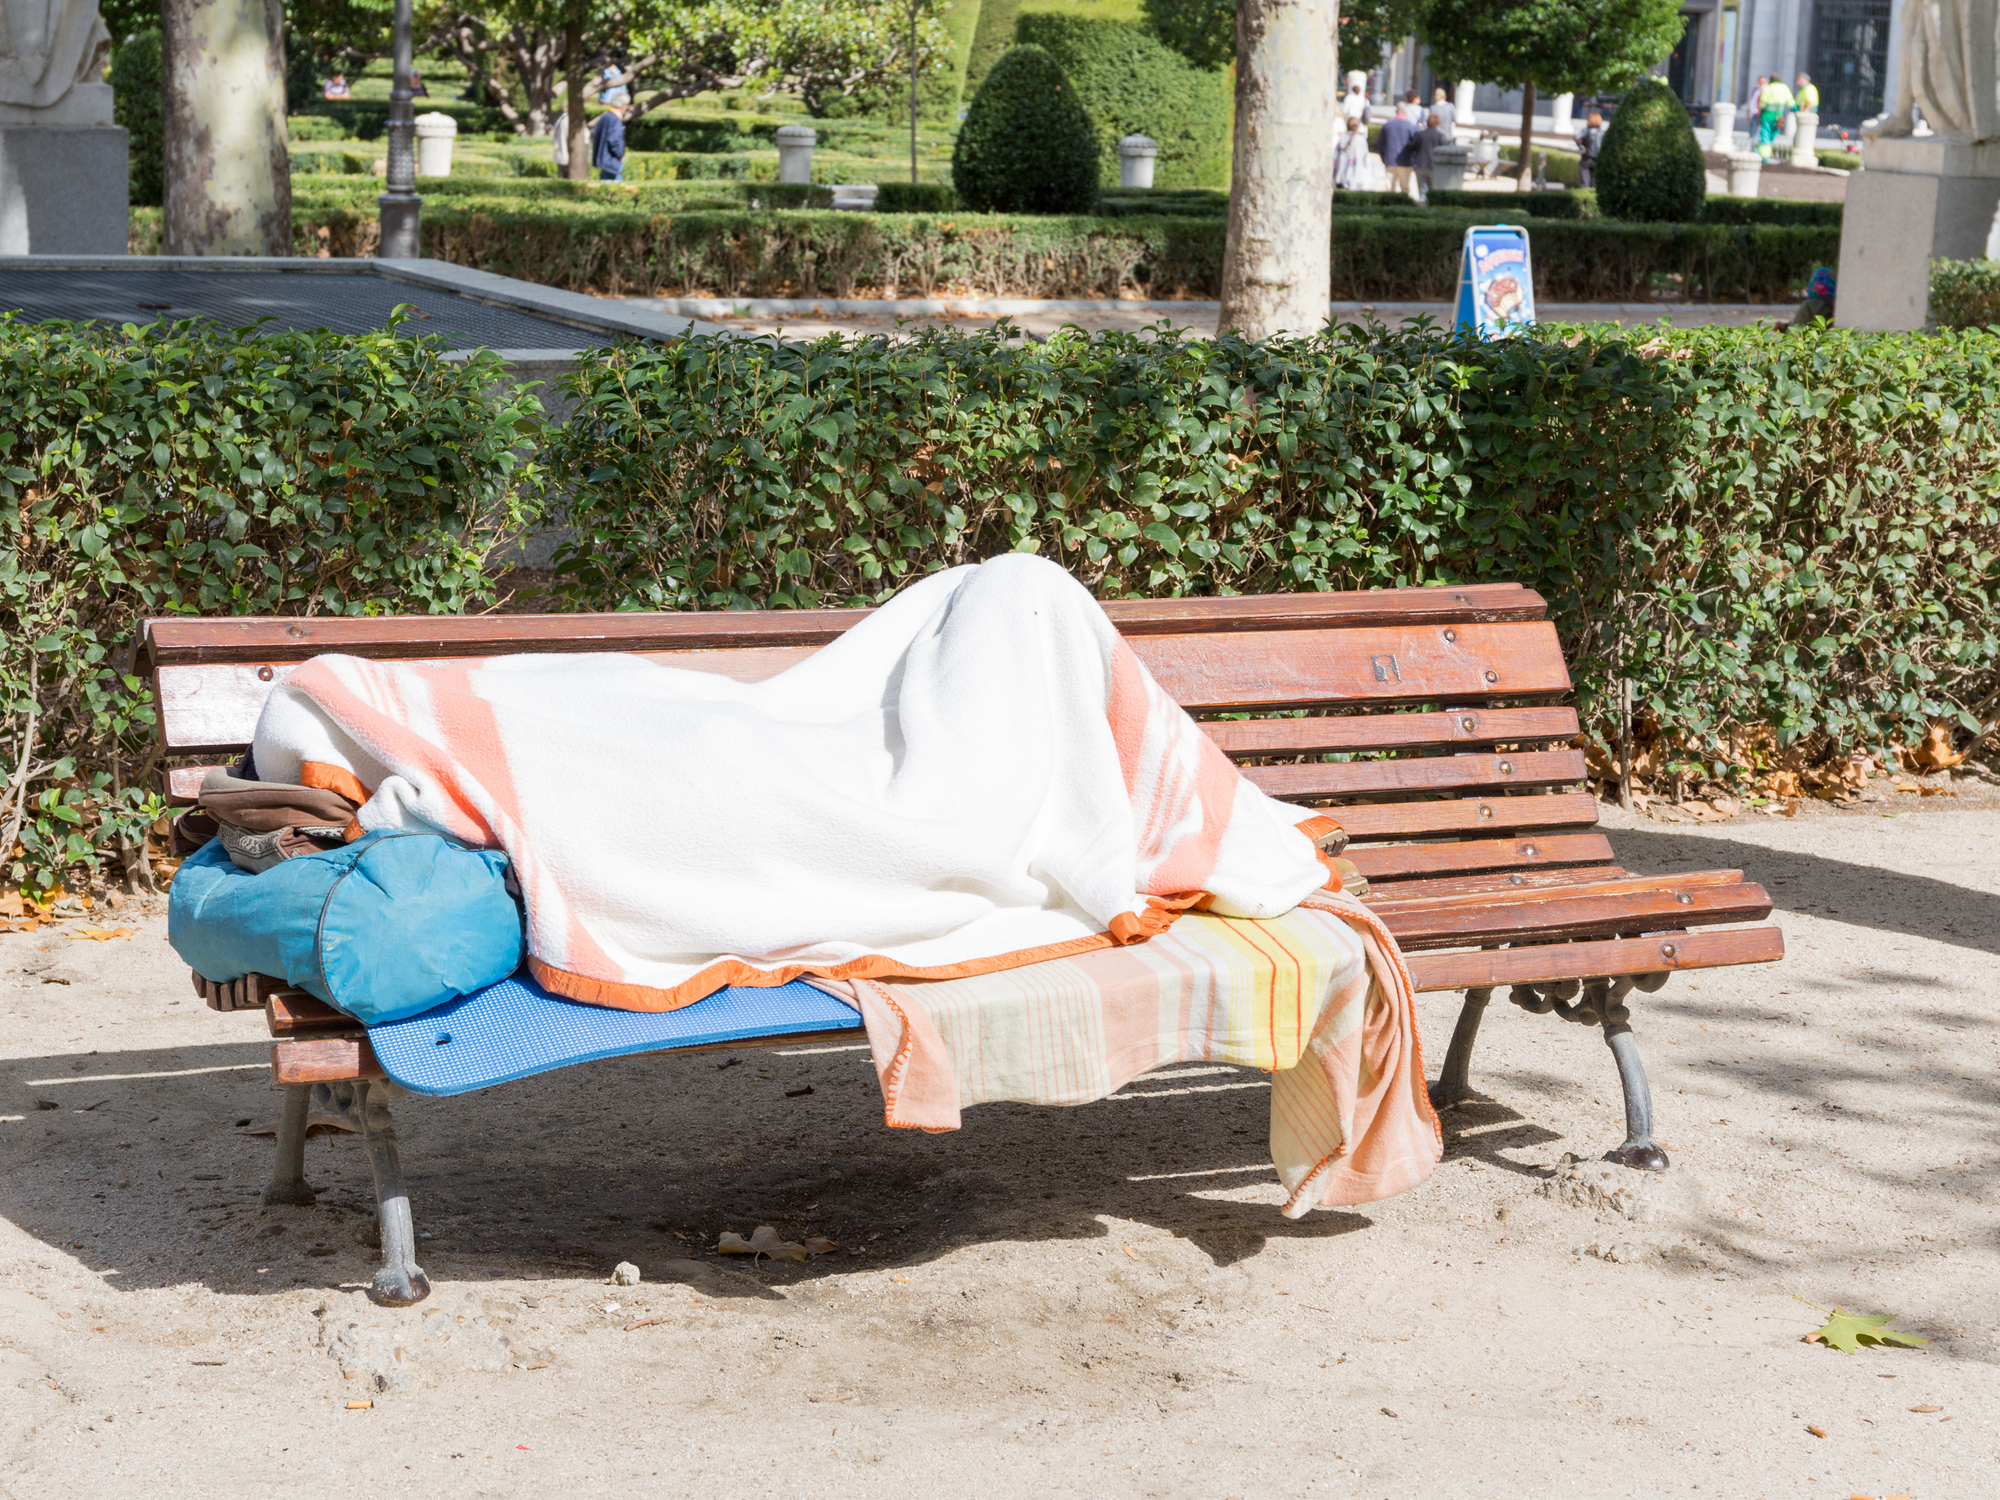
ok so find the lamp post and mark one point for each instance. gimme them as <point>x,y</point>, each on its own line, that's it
<point>401,207</point>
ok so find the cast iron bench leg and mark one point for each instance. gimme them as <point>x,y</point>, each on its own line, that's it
<point>401,1281</point>
<point>288,1174</point>
<point>1602,1004</point>
<point>1454,1083</point>
<point>1639,1152</point>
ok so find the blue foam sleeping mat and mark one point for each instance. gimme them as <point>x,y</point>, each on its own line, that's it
<point>516,1029</point>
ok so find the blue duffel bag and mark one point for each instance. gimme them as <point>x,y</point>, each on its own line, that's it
<point>385,927</point>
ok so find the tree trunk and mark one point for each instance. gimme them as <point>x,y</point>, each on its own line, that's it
<point>1277,265</point>
<point>228,184</point>
<point>1525,178</point>
<point>574,89</point>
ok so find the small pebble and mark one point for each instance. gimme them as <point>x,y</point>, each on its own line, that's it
<point>627,1274</point>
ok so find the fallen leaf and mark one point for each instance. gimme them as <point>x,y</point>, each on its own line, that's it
<point>1847,1331</point>
<point>1784,784</point>
<point>903,1279</point>
<point>11,904</point>
<point>819,1244</point>
<point>763,1241</point>
<point>106,934</point>
<point>1934,750</point>
<point>1927,1408</point>
<point>1817,1431</point>
<point>1935,791</point>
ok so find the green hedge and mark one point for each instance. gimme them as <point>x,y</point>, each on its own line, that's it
<point>187,470</point>
<point>135,81</point>
<point>1965,293</point>
<point>1766,531</point>
<point>621,244</point>
<point>1131,83</point>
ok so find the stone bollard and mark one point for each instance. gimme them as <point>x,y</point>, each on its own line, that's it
<point>1805,143</point>
<point>1448,168</point>
<point>1136,154</point>
<point>795,153</point>
<point>435,134</point>
<point>1744,169</point>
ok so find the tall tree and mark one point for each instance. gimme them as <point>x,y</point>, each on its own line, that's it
<point>227,186</point>
<point>1204,31</point>
<point>1277,262</point>
<point>1550,46</point>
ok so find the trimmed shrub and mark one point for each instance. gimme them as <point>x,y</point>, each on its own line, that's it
<point>1027,144</point>
<point>1965,294</point>
<point>1134,84</point>
<point>675,239</point>
<point>1650,169</point>
<point>308,473</point>
<point>315,128</point>
<point>136,104</point>
<point>991,38</point>
<point>1785,535</point>
<point>1770,211</point>
<point>914,198</point>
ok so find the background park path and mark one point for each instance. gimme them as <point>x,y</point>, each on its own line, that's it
<point>1100,1301</point>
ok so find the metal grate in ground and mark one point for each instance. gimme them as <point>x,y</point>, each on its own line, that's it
<point>344,301</point>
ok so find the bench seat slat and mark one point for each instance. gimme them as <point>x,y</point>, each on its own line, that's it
<point>1462,729</point>
<point>276,639</point>
<point>1431,773</point>
<point>1565,916</point>
<point>1589,882</point>
<point>1596,960</point>
<point>1399,862</point>
<point>1513,880</point>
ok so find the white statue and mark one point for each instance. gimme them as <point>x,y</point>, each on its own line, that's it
<point>48,48</point>
<point>1950,70</point>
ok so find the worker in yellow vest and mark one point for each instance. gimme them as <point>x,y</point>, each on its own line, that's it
<point>1807,96</point>
<point>1773,102</point>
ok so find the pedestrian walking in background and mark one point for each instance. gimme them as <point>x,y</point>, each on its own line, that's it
<point>1353,164</point>
<point>1446,113</point>
<point>1774,101</point>
<point>1421,149</point>
<point>1397,133</point>
<point>1587,146</point>
<point>1354,105</point>
<point>607,138</point>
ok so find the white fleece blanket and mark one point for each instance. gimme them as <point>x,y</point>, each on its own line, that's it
<point>979,775</point>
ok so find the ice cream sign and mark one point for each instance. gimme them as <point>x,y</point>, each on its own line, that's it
<point>1496,284</point>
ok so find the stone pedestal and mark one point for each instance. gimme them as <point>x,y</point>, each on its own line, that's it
<point>1920,198</point>
<point>64,189</point>
<point>1746,170</point>
<point>795,152</point>
<point>1805,142</point>
<point>1136,155</point>
<point>1448,168</point>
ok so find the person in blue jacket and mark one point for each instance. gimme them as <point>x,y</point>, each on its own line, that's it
<point>607,137</point>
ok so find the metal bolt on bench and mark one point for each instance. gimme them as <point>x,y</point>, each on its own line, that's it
<point>1457,783</point>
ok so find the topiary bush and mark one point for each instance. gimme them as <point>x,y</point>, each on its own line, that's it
<point>135,86</point>
<point>1133,84</point>
<point>1027,145</point>
<point>1650,168</point>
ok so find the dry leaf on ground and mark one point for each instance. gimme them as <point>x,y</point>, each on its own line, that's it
<point>763,1241</point>
<point>1847,1331</point>
<point>102,934</point>
<point>819,1244</point>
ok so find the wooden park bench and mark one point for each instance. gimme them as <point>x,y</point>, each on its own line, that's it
<point>1434,729</point>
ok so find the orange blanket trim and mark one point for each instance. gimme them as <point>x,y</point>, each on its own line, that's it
<point>1126,927</point>
<point>322,777</point>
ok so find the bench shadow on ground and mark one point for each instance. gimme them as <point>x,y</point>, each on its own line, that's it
<point>1861,895</point>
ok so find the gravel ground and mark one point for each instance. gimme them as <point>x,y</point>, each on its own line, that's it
<point>1101,1301</point>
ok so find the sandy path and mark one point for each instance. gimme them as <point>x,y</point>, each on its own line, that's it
<point>1099,1301</point>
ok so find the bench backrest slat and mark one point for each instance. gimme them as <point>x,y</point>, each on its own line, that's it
<point>275,639</point>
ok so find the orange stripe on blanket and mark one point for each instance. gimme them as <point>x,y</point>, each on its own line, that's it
<point>1126,928</point>
<point>322,777</point>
